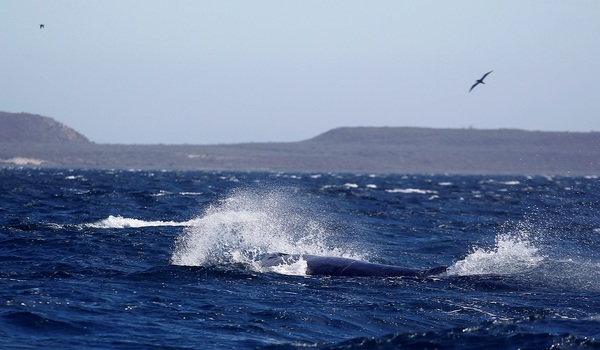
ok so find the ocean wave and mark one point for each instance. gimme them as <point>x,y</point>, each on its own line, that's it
<point>115,222</point>
<point>526,252</point>
<point>529,332</point>
<point>248,224</point>
<point>511,254</point>
<point>411,191</point>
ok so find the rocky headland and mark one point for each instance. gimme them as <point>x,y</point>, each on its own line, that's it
<point>33,140</point>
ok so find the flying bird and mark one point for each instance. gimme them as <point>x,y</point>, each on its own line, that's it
<point>480,81</point>
<point>41,26</point>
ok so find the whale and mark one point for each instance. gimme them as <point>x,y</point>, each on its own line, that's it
<point>335,266</point>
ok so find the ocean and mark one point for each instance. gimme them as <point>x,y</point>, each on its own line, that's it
<point>115,259</point>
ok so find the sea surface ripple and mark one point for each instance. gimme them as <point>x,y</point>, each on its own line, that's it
<point>164,259</point>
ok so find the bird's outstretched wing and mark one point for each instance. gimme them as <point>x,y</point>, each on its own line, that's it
<point>473,86</point>
<point>485,75</point>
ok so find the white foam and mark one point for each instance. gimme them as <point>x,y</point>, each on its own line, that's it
<point>528,252</point>
<point>512,253</point>
<point>295,268</point>
<point>116,222</point>
<point>511,183</point>
<point>411,190</point>
<point>247,225</point>
<point>508,183</point>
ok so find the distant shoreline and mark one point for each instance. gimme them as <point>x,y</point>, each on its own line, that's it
<point>370,150</point>
<point>406,150</point>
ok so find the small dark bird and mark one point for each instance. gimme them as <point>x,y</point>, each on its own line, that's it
<point>480,81</point>
<point>41,26</point>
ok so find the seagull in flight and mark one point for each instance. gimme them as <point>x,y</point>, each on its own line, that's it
<point>480,81</point>
<point>41,26</point>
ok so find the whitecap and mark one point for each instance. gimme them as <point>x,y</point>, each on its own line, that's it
<point>246,225</point>
<point>115,222</point>
<point>512,253</point>
<point>410,191</point>
<point>511,183</point>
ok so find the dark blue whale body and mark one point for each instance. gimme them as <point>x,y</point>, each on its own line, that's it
<point>333,266</point>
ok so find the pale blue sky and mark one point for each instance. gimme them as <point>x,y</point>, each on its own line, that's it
<point>206,72</point>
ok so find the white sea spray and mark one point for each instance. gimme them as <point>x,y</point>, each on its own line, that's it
<point>512,253</point>
<point>248,224</point>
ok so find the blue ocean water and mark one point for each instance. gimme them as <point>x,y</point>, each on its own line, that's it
<point>139,260</point>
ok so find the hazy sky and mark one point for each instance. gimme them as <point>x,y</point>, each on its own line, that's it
<point>205,72</point>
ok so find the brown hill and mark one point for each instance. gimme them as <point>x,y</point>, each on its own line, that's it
<point>44,142</point>
<point>472,151</point>
<point>31,128</point>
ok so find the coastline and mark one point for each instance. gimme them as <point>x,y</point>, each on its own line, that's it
<point>356,149</point>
